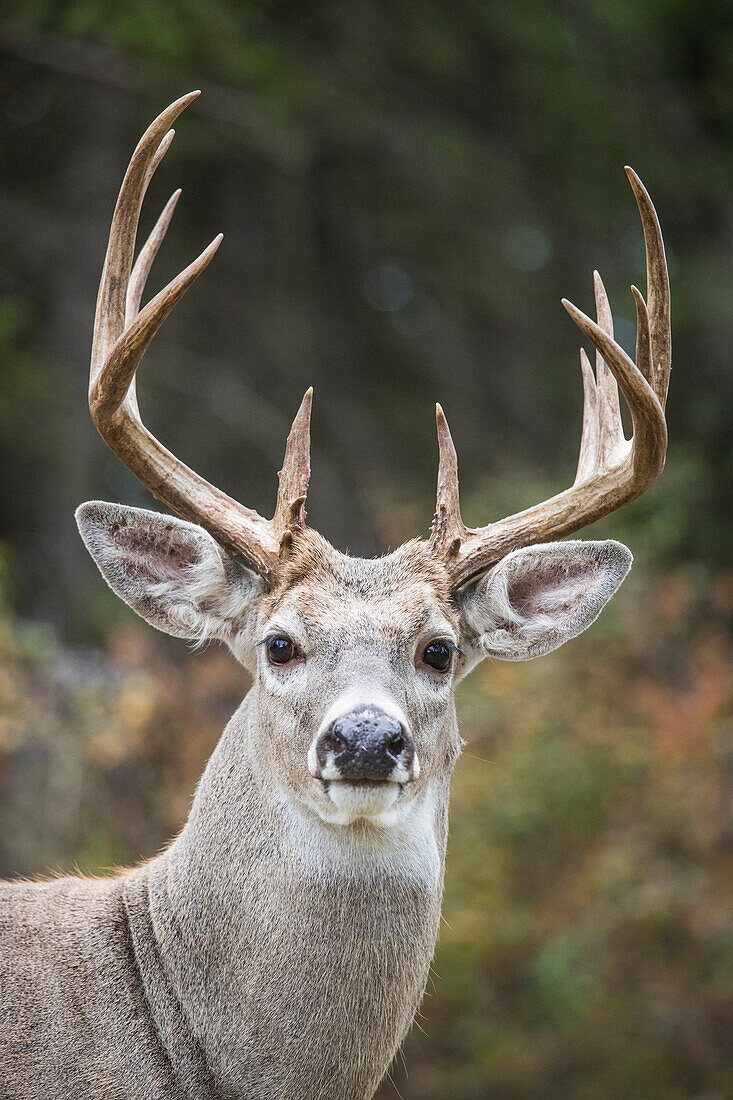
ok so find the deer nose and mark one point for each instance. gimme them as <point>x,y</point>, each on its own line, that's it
<point>366,745</point>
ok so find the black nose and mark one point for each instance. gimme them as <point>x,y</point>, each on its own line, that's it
<point>365,745</point>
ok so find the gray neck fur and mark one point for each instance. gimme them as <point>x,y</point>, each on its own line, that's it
<point>309,977</point>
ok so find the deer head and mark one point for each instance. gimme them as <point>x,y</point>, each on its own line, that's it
<point>354,661</point>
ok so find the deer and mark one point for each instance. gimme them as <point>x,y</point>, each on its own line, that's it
<point>279,946</point>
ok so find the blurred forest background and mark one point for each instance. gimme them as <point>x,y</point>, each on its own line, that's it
<point>406,191</point>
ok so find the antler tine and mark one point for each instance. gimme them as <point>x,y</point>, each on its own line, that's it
<point>643,338</point>
<point>123,332</point>
<point>295,474</point>
<point>161,151</point>
<point>657,287</point>
<point>590,436</point>
<point>609,412</point>
<point>142,266</point>
<point>448,530</point>
<point>611,470</point>
<point>147,254</point>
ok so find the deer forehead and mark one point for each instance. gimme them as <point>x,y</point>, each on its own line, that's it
<point>396,596</point>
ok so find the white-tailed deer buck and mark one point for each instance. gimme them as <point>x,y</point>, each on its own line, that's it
<point>279,947</point>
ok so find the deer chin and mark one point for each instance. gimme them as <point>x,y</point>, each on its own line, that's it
<point>351,802</point>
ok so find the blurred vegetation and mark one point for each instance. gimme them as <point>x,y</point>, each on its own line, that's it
<point>406,191</point>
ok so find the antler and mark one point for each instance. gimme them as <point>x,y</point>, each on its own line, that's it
<point>122,333</point>
<point>611,469</point>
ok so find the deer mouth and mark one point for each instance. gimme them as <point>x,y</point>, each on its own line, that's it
<point>361,783</point>
<point>355,799</point>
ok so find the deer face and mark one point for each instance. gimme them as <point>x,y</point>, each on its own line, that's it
<point>354,661</point>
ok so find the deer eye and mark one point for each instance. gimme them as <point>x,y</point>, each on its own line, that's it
<point>280,650</point>
<point>438,655</point>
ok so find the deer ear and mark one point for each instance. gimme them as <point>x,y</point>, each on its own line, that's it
<point>171,572</point>
<point>539,597</point>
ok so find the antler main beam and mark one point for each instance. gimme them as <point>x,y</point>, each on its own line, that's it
<point>611,469</point>
<point>122,333</point>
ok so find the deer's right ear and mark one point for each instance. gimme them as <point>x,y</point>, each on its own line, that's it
<point>171,572</point>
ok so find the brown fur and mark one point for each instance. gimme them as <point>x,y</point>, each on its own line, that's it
<point>315,569</point>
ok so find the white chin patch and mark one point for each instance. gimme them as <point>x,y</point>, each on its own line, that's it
<point>353,802</point>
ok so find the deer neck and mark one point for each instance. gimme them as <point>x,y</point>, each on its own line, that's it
<point>281,934</point>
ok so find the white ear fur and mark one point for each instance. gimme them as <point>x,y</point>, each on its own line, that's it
<point>539,597</point>
<point>170,572</point>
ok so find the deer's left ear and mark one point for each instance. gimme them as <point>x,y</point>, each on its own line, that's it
<point>539,597</point>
